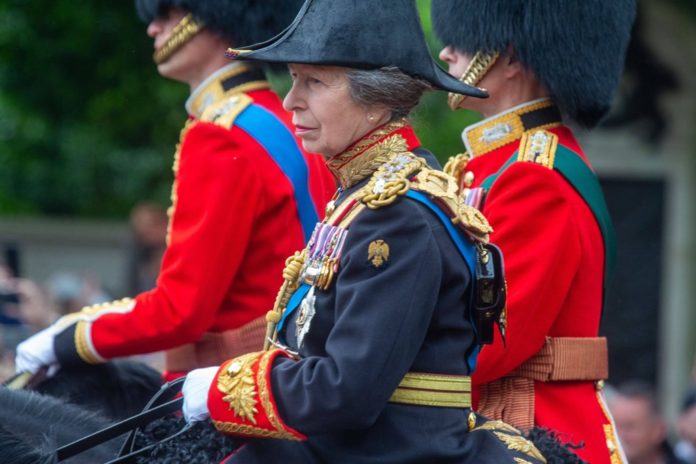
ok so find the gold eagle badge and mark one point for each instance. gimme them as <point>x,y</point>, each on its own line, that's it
<point>378,253</point>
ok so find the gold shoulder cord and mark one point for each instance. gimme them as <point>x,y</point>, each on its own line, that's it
<point>391,180</point>
<point>291,281</point>
<point>456,165</point>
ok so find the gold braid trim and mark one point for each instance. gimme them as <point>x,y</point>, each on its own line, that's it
<point>243,429</point>
<point>265,396</point>
<point>82,343</point>
<point>520,444</point>
<point>613,444</point>
<point>291,278</point>
<point>360,161</point>
<point>184,31</point>
<point>391,181</point>
<point>175,170</point>
<point>510,436</point>
<point>243,389</point>
<point>456,165</point>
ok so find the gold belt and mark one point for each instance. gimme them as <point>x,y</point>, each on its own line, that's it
<point>445,391</point>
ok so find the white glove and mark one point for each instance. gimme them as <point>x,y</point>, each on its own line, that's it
<point>195,392</point>
<point>37,351</point>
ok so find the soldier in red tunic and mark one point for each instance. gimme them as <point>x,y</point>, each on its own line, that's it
<point>245,196</point>
<point>542,65</point>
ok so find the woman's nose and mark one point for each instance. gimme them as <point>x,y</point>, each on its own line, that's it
<point>291,102</point>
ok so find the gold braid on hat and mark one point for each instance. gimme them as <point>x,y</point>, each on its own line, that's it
<point>477,69</point>
<point>181,34</point>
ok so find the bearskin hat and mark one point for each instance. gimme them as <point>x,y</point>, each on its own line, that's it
<point>576,48</point>
<point>242,22</point>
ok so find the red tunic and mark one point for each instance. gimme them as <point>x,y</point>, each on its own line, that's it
<point>554,264</point>
<point>233,222</point>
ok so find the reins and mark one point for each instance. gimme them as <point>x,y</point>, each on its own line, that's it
<point>160,405</point>
<point>150,413</point>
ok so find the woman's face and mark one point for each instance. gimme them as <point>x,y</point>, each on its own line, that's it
<point>326,118</point>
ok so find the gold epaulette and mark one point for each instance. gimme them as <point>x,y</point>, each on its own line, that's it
<point>443,188</point>
<point>224,112</point>
<point>391,180</point>
<point>538,146</point>
<point>394,178</point>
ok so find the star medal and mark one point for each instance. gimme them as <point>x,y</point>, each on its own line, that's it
<point>304,317</point>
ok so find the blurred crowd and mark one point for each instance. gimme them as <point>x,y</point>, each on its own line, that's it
<point>645,434</point>
<point>27,306</point>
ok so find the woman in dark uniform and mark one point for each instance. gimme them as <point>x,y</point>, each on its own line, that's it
<point>371,341</point>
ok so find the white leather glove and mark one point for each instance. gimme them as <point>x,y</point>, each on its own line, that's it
<point>37,351</point>
<point>195,392</point>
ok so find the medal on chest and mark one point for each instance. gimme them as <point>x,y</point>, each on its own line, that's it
<point>305,316</point>
<point>323,255</point>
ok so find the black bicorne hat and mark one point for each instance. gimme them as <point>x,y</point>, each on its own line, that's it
<point>358,34</point>
<point>239,21</point>
<point>576,48</point>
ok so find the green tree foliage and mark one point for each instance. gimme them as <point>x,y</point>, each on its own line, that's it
<point>88,127</point>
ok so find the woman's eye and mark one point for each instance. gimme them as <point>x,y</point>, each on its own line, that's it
<point>313,80</point>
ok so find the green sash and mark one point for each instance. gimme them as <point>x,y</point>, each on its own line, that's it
<point>585,182</point>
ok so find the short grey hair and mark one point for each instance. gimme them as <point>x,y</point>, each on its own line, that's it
<point>387,86</point>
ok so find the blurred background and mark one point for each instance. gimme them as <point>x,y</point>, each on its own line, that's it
<point>87,134</point>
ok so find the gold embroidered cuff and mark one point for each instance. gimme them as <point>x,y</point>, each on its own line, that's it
<point>241,400</point>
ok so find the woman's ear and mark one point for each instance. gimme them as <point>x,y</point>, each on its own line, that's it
<point>378,115</point>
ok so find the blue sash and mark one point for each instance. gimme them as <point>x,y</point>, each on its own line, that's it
<point>465,248</point>
<point>280,144</point>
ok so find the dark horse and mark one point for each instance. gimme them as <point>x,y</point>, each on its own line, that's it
<point>34,425</point>
<point>78,402</point>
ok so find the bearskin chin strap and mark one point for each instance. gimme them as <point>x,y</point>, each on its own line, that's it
<point>184,31</point>
<point>477,69</point>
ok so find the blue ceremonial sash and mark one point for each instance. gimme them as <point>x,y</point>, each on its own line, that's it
<point>293,304</point>
<point>280,144</point>
<point>465,248</point>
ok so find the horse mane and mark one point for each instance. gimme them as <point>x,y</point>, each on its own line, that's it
<point>117,389</point>
<point>36,425</point>
<point>15,451</point>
